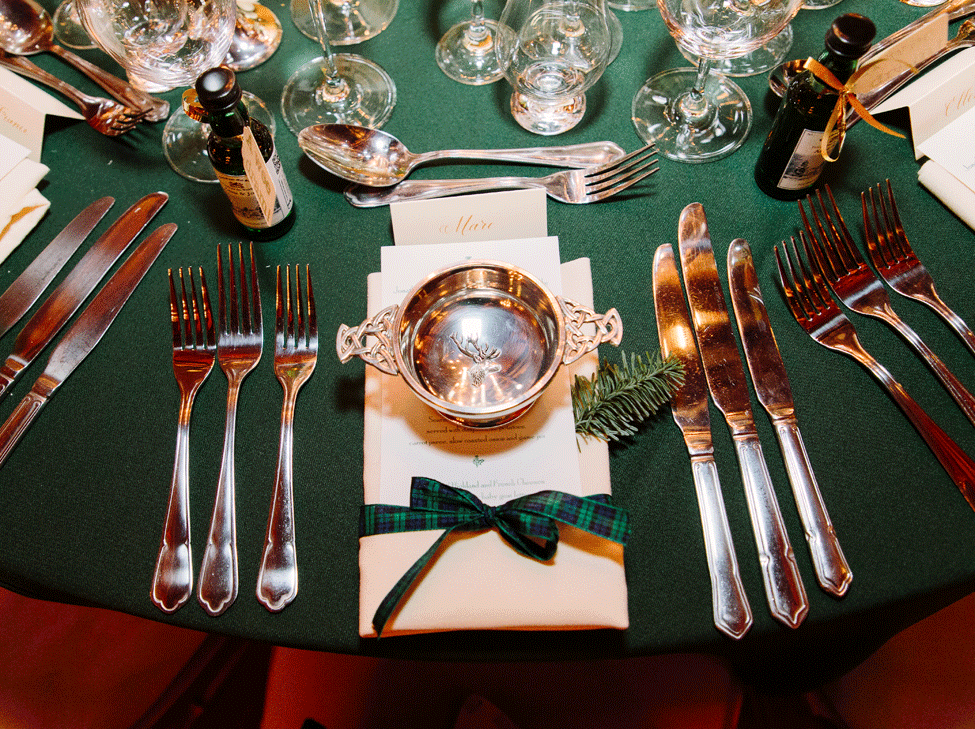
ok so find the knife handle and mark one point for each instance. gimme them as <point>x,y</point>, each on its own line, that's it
<point>19,421</point>
<point>783,585</point>
<point>832,569</point>
<point>9,372</point>
<point>732,613</point>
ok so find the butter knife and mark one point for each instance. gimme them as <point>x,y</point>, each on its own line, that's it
<point>725,375</point>
<point>21,295</point>
<point>732,613</point>
<point>774,392</point>
<point>83,335</point>
<point>74,289</point>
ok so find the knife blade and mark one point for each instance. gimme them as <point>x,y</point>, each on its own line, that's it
<point>689,404</point>
<point>725,376</point>
<point>74,289</point>
<point>21,295</point>
<point>772,386</point>
<point>83,335</point>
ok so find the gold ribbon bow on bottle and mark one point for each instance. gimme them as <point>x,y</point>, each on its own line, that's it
<point>836,126</point>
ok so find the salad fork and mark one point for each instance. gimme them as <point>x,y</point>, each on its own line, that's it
<point>898,265</point>
<point>239,345</point>
<point>295,355</point>
<point>193,355</point>
<point>860,289</point>
<point>814,309</point>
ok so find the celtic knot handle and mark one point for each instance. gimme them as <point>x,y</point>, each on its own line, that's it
<point>608,328</point>
<point>349,341</point>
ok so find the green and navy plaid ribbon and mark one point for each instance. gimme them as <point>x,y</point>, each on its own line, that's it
<point>522,522</point>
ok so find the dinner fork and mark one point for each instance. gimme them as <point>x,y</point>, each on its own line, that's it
<point>295,355</point>
<point>193,355</point>
<point>895,260</point>
<point>239,345</point>
<point>814,309</point>
<point>103,115</point>
<point>860,289</point>
<point>569,186</point>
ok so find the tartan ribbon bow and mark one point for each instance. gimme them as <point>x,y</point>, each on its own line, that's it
<point>836,126</point>
<point>529,524</point>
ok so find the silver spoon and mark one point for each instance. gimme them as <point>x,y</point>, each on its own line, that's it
<point>378,159</point>
<point>26,29</point>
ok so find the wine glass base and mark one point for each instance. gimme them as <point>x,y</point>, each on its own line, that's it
<point>761,60</point>
<point>346,22</point>
<point>466,53</point>
<point>547,118</point>
<point>819,4</point>
<point>68,28</point>
<point>257,36</point>
<point>185,140</point>
<point>658,117</point>
<point>367,99</point>
<point>631,5</point>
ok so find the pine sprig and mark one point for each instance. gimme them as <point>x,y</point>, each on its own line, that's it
<point>610,404</point>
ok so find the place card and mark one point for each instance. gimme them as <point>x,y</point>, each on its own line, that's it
<point>486,216</point>
<point>24,109</point>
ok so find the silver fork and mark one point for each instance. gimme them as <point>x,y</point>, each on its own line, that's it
<point>816,312</point>
<point>895,260</point>
<point>569,186</point>
<point>295,355</point>
<point>193,355</point>
<point>860,289</point>
<point>103,115</point>
<point>239,346</point>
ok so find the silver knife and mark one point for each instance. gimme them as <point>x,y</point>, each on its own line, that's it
<point>74,289</point>
<point>732,613</point>
<point>726,380</point>
<point>83,335</point>
<point>774,392</point>
<point>21,295</point>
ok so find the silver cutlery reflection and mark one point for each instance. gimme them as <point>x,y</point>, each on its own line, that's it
<point>813,308</point>
<point>239,345</point>
<point>194,347</point>
<point>859,288</point>
<point>898,265</point>
<point>295,355</point>
<point>569,186</point>
<point>103,115</point>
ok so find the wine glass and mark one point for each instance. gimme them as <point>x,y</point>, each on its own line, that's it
<point>348,21</point>
<point>552,51</point>
<point>631,5</point>
<point>762,60</point>
<point>694,115</point>
<point>466,52</point>
<point>257,35</point>
<point>68,28</point>
<point>336,88</point>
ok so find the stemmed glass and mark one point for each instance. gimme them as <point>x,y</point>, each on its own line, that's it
<point>336,88</point>
<point>694,115</point>
<point>257,35</point>
<point>348,21</point>
<point>68,28</point>
<point>466,52</point>
<point>552,51</point>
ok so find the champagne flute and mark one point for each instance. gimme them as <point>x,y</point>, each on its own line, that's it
<point>336,88</point>
<point>348,21</point>
<point>466,52</point>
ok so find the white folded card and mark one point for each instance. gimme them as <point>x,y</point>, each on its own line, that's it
<point>478,581</point>
<point>21,205</point>
<point>23,109</point>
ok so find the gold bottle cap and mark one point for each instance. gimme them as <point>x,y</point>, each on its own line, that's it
<point>192,106</point>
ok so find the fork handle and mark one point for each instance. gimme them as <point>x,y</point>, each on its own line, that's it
<point>783,585</point>
<point>953,320</point>
<point>587,154</point>
<point>34,72</point>
<point>370,197</point>
<point>832,570</point>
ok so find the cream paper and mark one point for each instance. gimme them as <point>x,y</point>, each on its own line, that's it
<point>478,581</point>
<point>21,205</point>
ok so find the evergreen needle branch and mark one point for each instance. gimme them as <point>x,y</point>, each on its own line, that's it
<point>617,398</point>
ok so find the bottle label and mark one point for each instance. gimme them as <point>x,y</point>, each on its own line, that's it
<point>806,163</point>
<point>246,197</point>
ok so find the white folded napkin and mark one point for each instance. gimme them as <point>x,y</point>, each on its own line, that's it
<point>955,194</point>
<point>21,205</point>
<point>478,581</point>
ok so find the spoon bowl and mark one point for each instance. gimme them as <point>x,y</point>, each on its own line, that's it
<point>378,159</point>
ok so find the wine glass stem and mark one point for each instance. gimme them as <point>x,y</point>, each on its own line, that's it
<point>695,109</point>
<point>335,87</point>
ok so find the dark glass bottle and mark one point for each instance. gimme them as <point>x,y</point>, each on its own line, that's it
<point>791,160</point>
<point>219,94</point>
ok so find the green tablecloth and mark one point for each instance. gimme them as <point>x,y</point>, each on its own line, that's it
<point>82,497</point>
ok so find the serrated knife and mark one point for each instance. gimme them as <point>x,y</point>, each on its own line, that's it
<point>725,375</point>
<point>771,384</point>
<point>74,289</point>
<point>83,335</point>
<point>689,404</point>
<point>29,285</point>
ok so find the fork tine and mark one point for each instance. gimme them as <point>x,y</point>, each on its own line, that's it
<point>638,159</point>
<point>876,231</point>
<point>899,236</point>
<point>292,340</point>
<point>300,338</point>
<point>843,233</point>
<point>312,318</point>
<point>279,312</point>
<point>621,161</point>
<point>617,186</point>
<point>245,306</point>
<point>174,314</point>
<point>792,299</point>
<point>255,324</point>
<point>210,339</point>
